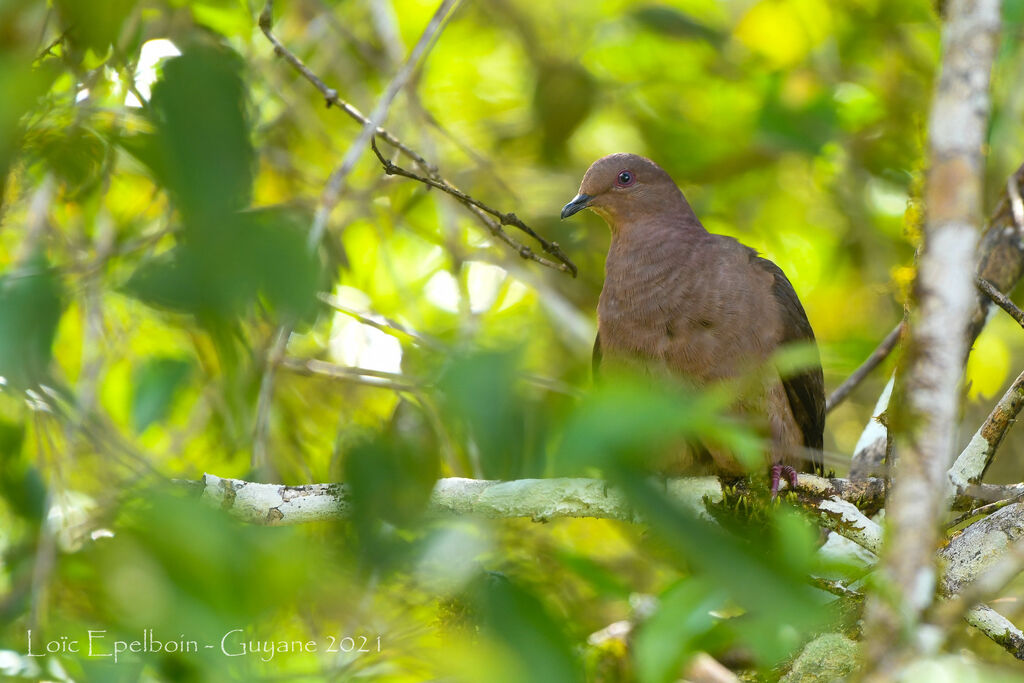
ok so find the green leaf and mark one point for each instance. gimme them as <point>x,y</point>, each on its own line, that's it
<point>782,608</point>
<point>518,620</point>
<point>666,639</point>
<point>94,25</point>
<point>30,308</point>
<point>156,384</point>
<point>480,392</point>
<point>199,109</point>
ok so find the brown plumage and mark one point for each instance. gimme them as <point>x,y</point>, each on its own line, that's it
<point>681,301</point>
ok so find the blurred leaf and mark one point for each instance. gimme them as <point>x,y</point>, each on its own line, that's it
<point>30,308</point>
<point>659,421</point>
<point>783,609</point>
<point>482,397</point>
<point>199,109</point>
<point>21,85</point>
<point>156,384</point>
<point>665,641</point>
<point>94,25</point>
<point>75,155</point>
<point>390,480</point>
<point>21,485</point>
<point>220,271</point>
<point>519,620</point>
<point>673,22</point>
<point>562,100</point>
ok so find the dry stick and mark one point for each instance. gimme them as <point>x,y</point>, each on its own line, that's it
<point>329,199</point>
<point>873,361</point>
<point>938,331</point>
<point>1001,300</point>
<point>332,99</point>
<point>482,210</point>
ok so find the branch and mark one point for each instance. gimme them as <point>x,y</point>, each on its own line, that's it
<point>980,561</point>
<point>1000,262</point>
<point>937,343</point>
<point>311,367</point>
<point>873,445</point>
<point>972,463</point>
<point>332,98</point>
<point>997,627</point>
<point>336,183</point>
<point>538,499</point>
<point>880,353</point>
<point>388,326</point>
<point>1001,300</point>
<point>483,212</point>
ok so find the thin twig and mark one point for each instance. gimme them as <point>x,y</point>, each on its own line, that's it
<point>837,588</point>
<point>1001,300</point>
<point>336,183</point>
<point>364,376</point>
<point>431,171</point>
<point>482,210</point>
<point>330,94</point>
<point>389,326</point>
<point>873,361</point>
<point>332,194</point>
<point>986,509</point>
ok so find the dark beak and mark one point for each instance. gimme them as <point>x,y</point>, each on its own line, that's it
<point>578,203</point>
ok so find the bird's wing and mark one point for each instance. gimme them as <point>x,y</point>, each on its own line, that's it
<point>805,389</point>
<point>596,359</point>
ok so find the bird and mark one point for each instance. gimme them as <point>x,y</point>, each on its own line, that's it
<point>680,301</point>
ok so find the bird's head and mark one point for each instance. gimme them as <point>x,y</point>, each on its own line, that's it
<point>621,187</point>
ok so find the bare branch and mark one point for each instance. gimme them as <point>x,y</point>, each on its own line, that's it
<point>1001,300</point>
<point>538,499</point>
<point>481,210</point>
<point>1000,261</point>
<point>364,376</point>
<point>266,20</point>
<point>332,98</point>
<point>336,183</point>
<point>975,459</point>
<point>880,353</point>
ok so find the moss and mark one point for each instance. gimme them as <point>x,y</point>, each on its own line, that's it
<point>829,657</point>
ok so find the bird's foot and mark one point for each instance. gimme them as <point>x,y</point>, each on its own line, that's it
<point>777,472</point>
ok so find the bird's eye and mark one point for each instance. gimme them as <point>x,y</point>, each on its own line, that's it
<point>625,178</point>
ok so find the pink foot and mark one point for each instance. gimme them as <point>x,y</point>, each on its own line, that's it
<point>777,472</point>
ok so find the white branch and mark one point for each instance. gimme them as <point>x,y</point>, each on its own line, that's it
<point>976,457</point>
<point>998,628</point>
<point>846,520</point>
<point>538,499</point>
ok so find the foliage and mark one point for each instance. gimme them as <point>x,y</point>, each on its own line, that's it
<point>154,244</point>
